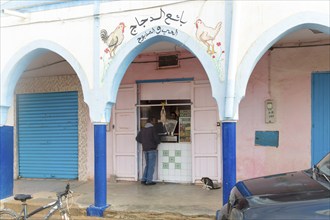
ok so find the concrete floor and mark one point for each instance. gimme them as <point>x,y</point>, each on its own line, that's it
<point>186,199</point>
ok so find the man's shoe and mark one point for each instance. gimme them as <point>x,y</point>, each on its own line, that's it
<point>143,182</point>
<point>150,183</point>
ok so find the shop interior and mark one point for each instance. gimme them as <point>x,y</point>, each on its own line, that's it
<point>173,117</point>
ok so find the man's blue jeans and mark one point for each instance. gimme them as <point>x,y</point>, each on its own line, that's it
<point>149,169</point>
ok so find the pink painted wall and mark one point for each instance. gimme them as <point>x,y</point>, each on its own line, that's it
<point>289,86</point>
<point>284,75</point>
<point>143,71</point>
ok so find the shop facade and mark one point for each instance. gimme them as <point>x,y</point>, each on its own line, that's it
<point>203,80</point>
<point>189,138</point>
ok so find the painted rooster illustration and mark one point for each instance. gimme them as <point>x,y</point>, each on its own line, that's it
<point>207,34</point>
<point>114,39</point>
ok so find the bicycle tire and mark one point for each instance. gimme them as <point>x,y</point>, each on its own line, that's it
<point>64,214</point>
<point>8,214</point>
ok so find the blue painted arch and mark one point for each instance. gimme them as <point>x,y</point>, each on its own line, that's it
<point>132,48</point>
<point>22,58</point>
<point>302,20</point>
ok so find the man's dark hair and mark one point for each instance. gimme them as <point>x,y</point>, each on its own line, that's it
<point>151,119</point>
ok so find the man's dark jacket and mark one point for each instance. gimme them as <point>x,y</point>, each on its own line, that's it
<point>148,137</point>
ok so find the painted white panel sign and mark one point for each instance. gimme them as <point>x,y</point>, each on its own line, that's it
<point>165,91</point>
<point>197,19</point>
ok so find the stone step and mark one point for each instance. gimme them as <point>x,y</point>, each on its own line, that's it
<point>153,216</point>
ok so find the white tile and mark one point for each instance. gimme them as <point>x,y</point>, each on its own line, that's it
<point>165,172</point>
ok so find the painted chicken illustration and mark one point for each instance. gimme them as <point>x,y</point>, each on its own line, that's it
<point>114,39</point>
<point>207,34</point>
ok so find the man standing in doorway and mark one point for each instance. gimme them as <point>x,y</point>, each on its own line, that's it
<point>149,139</point>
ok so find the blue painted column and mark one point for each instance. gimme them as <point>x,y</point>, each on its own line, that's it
<point>6,161</point>
<point>229,158</point>
<point>100,172</point>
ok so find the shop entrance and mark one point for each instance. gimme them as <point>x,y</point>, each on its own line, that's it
<point>170,103</point>
<point>174,129</point>
<point>190,136</point>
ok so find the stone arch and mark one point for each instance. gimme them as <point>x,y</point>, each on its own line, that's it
<point>303,20</point>
<point>19,62</point>
<point>132,48</point>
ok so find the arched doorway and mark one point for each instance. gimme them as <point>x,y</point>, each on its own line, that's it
<point>281,76</point>
<point>204,161</point>
<point>37,83</point>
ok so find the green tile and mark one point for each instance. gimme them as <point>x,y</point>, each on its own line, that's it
<point>178,153</point>
<point>172,159</point>
<point>178,166</point>
<point>166,152</point>
<point>165,166</point>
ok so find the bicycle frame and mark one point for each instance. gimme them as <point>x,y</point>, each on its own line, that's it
<point>54,206</point>
<point>28,215</point>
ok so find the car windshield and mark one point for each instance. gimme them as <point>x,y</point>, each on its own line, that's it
<point>324,165</point>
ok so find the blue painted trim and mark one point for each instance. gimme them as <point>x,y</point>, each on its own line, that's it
<point>243,189</point>
<point>312,111</point>
<point>266,138</point>
<point>6,161</point>
<point>35,6</point>
<point>229,158</point>
<point>100,167</point>
<point>165,80</point>
<point>96,211</point>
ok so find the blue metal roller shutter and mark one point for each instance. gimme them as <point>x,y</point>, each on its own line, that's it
<point>320,115</point>
<point>48,135</point>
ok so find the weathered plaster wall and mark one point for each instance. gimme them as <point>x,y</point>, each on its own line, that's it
<point>283,75</point>
<point>143,71</point>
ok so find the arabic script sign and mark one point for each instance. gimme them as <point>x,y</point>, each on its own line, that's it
<point>158,31</point>
<point>167,18</point>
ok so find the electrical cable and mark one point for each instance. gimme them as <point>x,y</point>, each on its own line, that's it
<point>40,67</point>
<point>310,45</point>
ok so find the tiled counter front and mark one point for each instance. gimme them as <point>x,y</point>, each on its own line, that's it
<point>174,162</point>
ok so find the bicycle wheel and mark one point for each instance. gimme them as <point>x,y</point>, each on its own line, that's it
<point>6,214</point>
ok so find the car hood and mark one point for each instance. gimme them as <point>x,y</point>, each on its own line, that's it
<point>286,187</point>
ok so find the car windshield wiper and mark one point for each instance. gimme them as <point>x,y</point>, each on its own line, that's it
<point>316,171</point>
<point>325,177</point>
